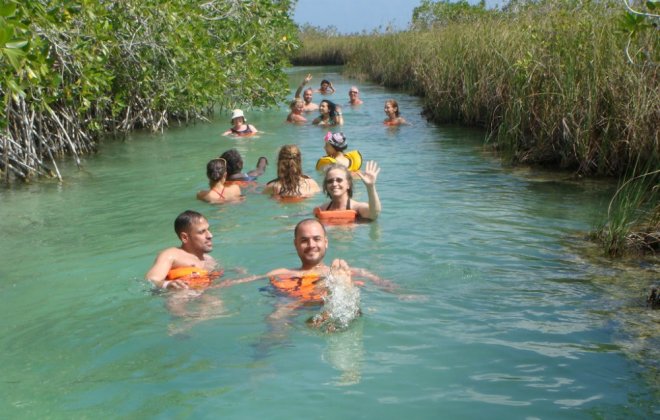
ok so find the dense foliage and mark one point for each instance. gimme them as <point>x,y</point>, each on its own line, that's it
<point>73,70</point>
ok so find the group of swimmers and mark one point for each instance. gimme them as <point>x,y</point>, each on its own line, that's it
<point>330,113</point>
<point>190,268</point>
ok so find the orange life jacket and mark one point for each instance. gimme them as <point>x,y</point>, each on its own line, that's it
<point>194,277</point>
<point>335,217</point>
<point>304,287</point>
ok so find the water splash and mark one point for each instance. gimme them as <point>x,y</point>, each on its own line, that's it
<point>341,304</point>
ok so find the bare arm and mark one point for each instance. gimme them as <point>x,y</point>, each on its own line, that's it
<point>339,116</point>
<point>229,283</point>
<point>369,178</point>
<point>302,85</point>
<point>158,272</point>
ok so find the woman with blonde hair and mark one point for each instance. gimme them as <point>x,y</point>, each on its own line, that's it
<point>297,107</point>
<point>338,185</point>
<point>392,111</point>
<point>291,183</point>
<point>216,171</point>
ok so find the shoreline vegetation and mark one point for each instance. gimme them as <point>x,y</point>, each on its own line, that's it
<point>72,72</point>
<point>571,85</point>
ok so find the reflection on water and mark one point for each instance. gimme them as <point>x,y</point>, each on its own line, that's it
<point>344,351</point>
<point>508,317</point>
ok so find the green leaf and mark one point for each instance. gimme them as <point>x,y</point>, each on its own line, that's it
<point>6,32</point>
<point>13,55</point>
<point>16,44</point>
<point>7,9</point>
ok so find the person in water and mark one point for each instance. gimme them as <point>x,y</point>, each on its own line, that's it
<point>296,116</point>
<point>331,114</point>
<point>308,95</point>
<point>187,271</point>
<point>239,127</point>
<point>290,181</point>
<point>218,192</point>
<point>392,111</point>
<point>326,88</point>
<point>338,185</point>
<point>192,228</point>
<point>235,168</point>
<point>354,96</point>
<point>335,146</point>
<point>306,284</point>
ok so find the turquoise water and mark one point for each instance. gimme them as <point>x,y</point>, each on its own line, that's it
<point>500,312</point>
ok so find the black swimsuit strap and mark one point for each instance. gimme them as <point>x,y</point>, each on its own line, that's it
<point>348,205</point>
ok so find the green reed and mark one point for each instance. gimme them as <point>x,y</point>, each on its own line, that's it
<point>559,84</point>
<point>633,215</point>
<point>552,86</point>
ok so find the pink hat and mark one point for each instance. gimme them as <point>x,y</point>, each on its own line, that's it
<point>353,89</point>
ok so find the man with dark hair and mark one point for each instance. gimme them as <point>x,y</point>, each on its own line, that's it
<point>192,228</point>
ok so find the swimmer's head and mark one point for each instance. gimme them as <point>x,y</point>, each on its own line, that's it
<point>336,140</point>
<point>308,95</point>
<point>185,220</point>
<point>393,105</point>
<point>234,161</point>
<point>332,107</point>
<point>237,113</point>
<point>338,171</point>
<point>297,105</point>
<point>216,170</point>
<point>305,222</point>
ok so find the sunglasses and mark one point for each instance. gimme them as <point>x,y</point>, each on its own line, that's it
<point>331,180</point>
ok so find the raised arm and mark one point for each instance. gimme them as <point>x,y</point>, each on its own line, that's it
<point>306,80</point>
<point>369,179</point>
<point>339,116</point>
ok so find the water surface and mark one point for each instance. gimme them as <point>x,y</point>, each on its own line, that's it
<point>507,317</point>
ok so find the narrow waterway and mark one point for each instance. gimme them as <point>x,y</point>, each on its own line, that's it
<point>499,312</point>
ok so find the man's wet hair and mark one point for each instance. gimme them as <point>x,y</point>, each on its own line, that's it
<point>185,220</point>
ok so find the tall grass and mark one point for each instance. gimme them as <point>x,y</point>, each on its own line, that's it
<point>633,216</point>
<point>552,86</point>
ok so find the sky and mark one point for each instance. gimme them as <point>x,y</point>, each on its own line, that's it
<point>355,16</point>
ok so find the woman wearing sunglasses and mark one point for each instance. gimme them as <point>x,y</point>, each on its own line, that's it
<point>338,185</point>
